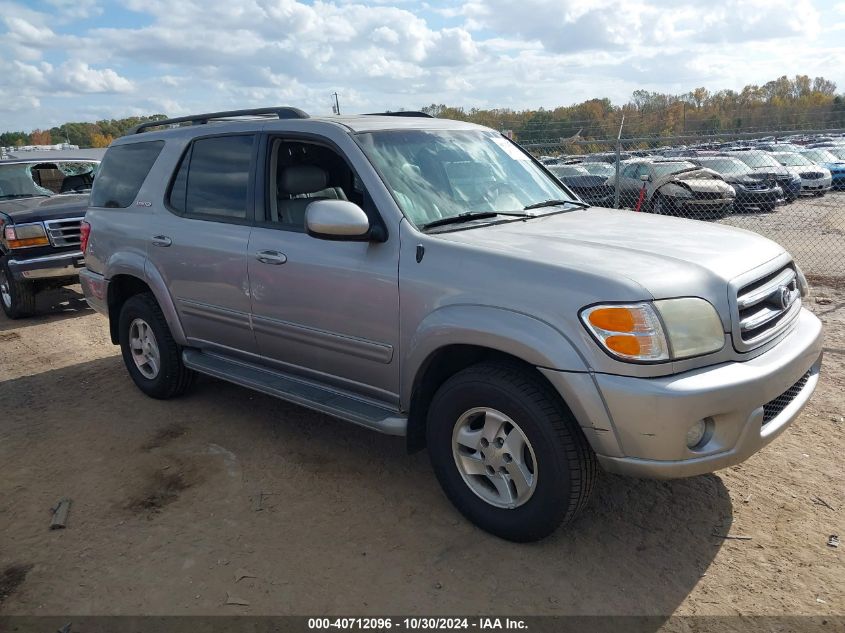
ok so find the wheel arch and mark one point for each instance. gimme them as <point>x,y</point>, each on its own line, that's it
<point>128,283</point>
<point>452,339</point>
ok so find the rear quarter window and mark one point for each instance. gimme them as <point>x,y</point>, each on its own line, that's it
<point>122,173</point>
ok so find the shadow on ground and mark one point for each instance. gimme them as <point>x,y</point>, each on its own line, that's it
<point>350,524</point>
<point>51,306</point>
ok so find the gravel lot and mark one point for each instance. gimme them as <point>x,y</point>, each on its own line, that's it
<point>166,516</point>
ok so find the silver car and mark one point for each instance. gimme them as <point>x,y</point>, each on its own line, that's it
<point>428,278</point>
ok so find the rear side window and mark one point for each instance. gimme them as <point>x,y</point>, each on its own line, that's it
<point>212,179</point>
<point>122,173</point>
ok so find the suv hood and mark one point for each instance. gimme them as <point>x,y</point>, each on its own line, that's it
<point>666,256</point>
<point>40,209</point>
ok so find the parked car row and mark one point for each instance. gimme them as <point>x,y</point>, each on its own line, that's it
<point>756,177</point>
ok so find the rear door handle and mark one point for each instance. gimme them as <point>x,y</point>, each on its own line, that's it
<point>161,240</point>
<point>271,257</point>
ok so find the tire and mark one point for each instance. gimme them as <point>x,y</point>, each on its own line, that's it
<point>16,297</point>
<point>564,465</point>
<point>142,318</point>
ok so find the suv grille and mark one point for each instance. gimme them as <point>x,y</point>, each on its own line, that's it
<point>773,409</point>
<point>64,232</point>
<point>766,307</point>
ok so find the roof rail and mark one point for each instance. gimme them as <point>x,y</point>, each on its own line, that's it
<point>408,113</point>
<point>281,112</point>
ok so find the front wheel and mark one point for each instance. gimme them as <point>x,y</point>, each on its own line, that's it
<point>507,451</point>
<point>150,354</point>
<point>16,297</point>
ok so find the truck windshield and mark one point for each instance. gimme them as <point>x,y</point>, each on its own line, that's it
<point>26,180</point>
<point>437,174</point>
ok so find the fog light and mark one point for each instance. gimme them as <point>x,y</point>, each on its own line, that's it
<point>696,433</point>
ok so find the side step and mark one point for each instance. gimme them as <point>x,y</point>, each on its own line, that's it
<point>298,391</point>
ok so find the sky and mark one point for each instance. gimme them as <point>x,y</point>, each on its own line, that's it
<point>84,60</point>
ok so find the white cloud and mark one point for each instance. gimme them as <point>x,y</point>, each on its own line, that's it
<point>191,55</point>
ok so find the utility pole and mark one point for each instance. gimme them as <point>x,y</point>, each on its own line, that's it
<point>336,106</point>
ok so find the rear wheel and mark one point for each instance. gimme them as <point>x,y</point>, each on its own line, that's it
<point>16,297</point>
<point>507,451</point>
<point>150,354</point>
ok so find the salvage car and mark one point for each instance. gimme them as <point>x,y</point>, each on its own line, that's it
<point>589,187</point>
<point>753,193</point>
<point>768,168</point>
<point>428,278</point>
<point>675,187</point>
<point>815,179</point>
<point>825,158</point>
<point>42,202</point>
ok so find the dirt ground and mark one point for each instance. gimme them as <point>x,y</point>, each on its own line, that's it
<point>173,501</point>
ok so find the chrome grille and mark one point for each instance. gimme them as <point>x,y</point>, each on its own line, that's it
<point>812,175</point>
<point>64,232</point>
<point>765,307</point>
<point>774,408</point>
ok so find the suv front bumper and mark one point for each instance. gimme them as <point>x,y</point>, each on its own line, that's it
<point>47,266</point>
<point>650,417</point>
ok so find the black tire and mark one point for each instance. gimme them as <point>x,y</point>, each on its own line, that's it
<point>566,466</point>
<point>16,297</point>
<point>172,378</point>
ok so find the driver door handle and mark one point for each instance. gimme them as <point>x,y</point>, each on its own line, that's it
<point>161,240</point>
<point>271,257</point>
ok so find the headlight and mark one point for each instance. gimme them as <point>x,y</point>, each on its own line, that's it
<point>676,191</point>
<point>693,326</point>
<point>652,332</point>
<point>25,235</point>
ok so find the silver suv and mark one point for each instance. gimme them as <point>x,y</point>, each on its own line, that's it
<point>429,279</point>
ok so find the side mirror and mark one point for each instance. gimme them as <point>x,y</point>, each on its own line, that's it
<point>645,177</point>
<point>337,220</point>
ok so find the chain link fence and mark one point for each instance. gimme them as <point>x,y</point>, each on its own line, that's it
<point>787,187</point>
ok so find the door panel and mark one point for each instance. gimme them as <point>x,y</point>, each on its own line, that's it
<point>205,269</point>
<point>331,310</point>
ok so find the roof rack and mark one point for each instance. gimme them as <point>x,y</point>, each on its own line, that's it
<point>282,112</point>
<point>408,113</point>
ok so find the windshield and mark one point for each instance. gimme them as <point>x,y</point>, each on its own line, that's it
<point>839,152</point>
<point>820,156</point>
<point>441,174</point>
<point>757,160</point>
<point>792,160</point>
<point>25,180</point>
<point>568,170</point>
<point>726,166</point>
<point>599,169</point>
<point>664,169</point>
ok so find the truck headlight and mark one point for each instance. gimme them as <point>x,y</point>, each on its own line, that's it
<point>25,235</point>
<point>628,331</point>
<point>652,332</point>
<point>693,326</point>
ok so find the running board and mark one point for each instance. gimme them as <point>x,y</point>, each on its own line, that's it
<point>298,391</point>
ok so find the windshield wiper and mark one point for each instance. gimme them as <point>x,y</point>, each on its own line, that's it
<point>555,203</point>
<point>11,196</point>
<point>469,217</point>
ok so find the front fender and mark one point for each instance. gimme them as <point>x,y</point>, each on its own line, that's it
<point>521,335</point>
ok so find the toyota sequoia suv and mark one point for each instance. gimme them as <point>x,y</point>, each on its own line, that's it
<point>429,279</point>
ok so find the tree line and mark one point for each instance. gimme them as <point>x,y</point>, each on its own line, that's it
<point>83,134</point>
<point>783,104</point>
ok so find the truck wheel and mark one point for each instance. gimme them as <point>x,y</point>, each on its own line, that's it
<point>507,452</point>
<point>151,356</point>
<point>16,297</point>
